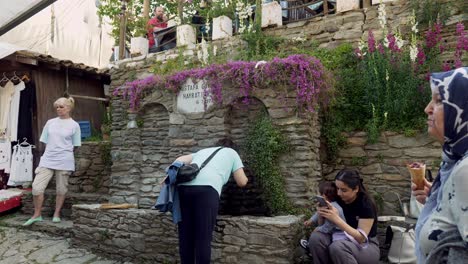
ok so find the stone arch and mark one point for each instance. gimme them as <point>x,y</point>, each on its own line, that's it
<point>237,121</point>
<point>153,121</point>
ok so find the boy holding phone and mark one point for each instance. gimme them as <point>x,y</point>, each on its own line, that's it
<point>327,192</point>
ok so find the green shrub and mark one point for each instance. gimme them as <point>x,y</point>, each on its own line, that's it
<point>263,148</point>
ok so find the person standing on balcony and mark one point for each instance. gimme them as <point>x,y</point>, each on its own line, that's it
<point>158,22</point>
<point>61,135</point>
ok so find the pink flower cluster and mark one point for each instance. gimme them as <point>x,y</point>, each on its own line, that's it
<point>133,91</point>
<point>371,42</point>
<point>433,35</point>
<point>432,47</point>
<point>305,74</point>
<point>462,45</point>
<point>392,43</point>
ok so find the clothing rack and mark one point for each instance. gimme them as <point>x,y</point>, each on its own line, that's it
<point>13,77</point>
<point>25,143</point>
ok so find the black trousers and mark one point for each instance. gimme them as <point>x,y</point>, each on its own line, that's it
<point>199,208</point>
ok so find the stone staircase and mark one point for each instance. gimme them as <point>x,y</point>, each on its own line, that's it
<point>62,229</point>
<point>66,229</point>
<point>71,199</point>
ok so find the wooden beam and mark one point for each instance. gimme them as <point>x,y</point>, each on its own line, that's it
<point>20,18</point>
<point>146,9</point>
<point>367,3</point>
<point>26,60</point>
<point>122,31</point>
<point>51,66</point>
<point>90,97</point>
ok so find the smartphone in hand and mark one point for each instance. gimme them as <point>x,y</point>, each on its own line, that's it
<point>321,201</point>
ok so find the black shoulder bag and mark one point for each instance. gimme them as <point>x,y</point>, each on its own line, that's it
<point>189,172</point>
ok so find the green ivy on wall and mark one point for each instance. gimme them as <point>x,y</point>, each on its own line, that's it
<point>105,148</point>
<point>264,146</point>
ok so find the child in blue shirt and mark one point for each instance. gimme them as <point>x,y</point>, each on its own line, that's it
<point>328,191</point>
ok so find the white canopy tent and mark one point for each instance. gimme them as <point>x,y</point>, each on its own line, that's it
<point>67,30</point>
<point>12,14</point>
<point>6,49</point>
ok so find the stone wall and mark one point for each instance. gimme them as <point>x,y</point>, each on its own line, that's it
<point>350,27</point>
<point>147,236</point>
<point>383,164</point>
<point>140,157</point>
<point>141,154</point>
<point>93,163</point>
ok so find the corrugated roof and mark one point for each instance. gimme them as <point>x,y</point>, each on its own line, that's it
<point>65,63</point>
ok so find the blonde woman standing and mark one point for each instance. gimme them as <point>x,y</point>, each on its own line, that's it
<point>61,135</point>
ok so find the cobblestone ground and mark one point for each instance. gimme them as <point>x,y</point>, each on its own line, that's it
<point>25,246</point>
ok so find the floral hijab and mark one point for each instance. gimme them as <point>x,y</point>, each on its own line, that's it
<point>453,89</point>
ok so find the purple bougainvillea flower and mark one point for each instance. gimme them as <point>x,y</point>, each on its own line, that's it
<point>306,75</point>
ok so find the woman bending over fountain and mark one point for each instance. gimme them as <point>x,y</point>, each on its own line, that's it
<point>199,199</point>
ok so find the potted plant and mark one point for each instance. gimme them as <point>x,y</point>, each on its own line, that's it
<point>139,43</point>
<point>105,131</point>
<point>106,124</point>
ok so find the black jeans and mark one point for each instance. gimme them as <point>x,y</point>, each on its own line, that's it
<point>199,208</point>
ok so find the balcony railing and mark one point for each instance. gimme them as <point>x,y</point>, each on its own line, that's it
<point>300,10</point>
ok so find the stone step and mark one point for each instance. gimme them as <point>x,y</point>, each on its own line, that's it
<point>71,199</point>
<point>63,229</point>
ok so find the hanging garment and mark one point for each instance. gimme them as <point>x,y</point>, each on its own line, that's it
<point>5,154</point>
<point>14,112</point>
<point>21,165</point>
<point>3,179</point>
<point>25,119</point>
<point>6,93</point>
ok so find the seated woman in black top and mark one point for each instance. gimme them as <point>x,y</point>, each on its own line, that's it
<point>358,243</point>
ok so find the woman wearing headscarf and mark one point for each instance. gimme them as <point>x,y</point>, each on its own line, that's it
<point>442,227</point>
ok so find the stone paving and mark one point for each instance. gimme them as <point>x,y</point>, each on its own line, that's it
<point>18,245</point>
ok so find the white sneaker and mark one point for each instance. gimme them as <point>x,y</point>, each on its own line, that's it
<point>304,244</point>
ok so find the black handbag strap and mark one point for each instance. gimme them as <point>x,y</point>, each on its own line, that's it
<point>209,158</point>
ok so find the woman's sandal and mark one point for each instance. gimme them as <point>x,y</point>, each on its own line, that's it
<point>56,220</point>
<point>32,221</point>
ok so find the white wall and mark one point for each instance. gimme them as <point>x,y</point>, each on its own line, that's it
<point>67,30</point>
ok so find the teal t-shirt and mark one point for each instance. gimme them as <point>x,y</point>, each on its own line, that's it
<point>217,172</point>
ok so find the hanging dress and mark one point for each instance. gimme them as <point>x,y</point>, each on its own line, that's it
<point>21,165</point>
<point>5,155</point>
<point>14,112</point>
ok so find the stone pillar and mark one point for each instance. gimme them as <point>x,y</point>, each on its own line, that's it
<point>139,45</point>
<point>376,2</point>
<point>186,35</point>
<point>346,5</point>
<point>126,157</point>
<point>271,14</point>
<point>366,3</point>
<point>222,27</point>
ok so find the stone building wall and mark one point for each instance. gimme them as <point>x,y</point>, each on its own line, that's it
<point>147,236</point>
<point>350,27</point>
<point>141,154</point>
<point>383,164</point>
<point>93,163</point>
